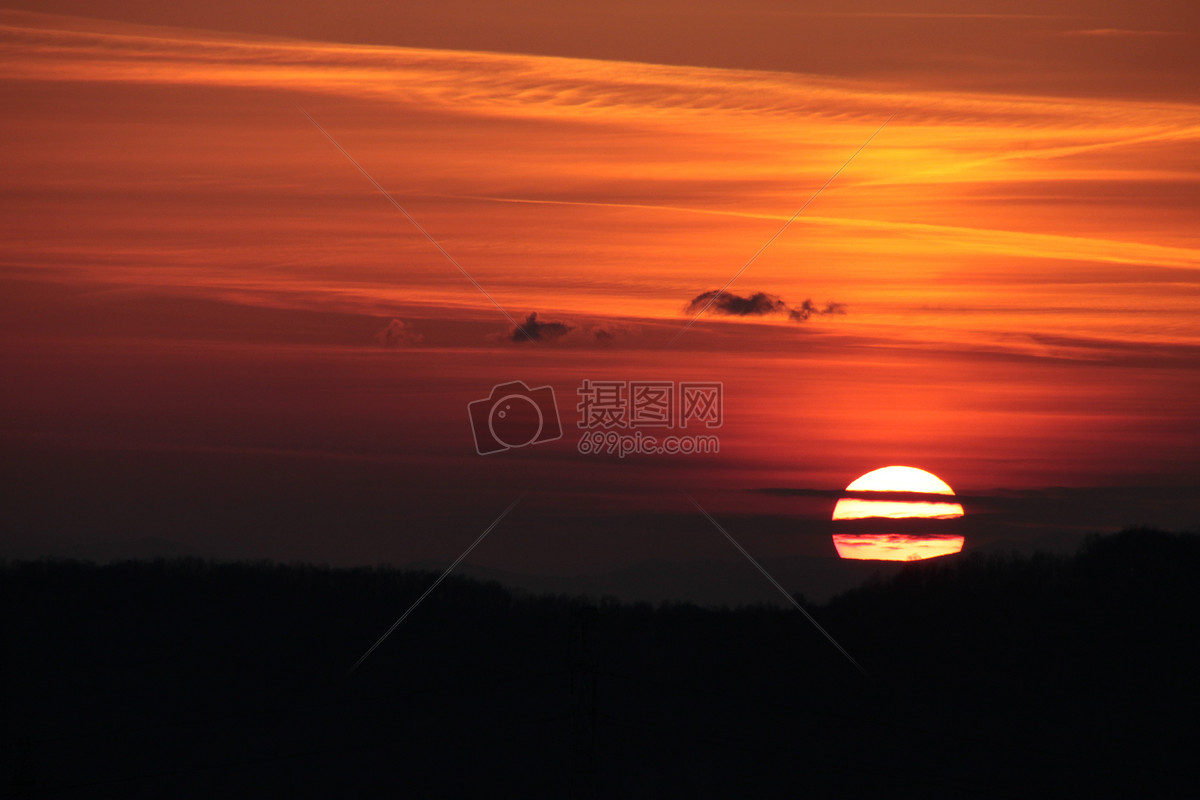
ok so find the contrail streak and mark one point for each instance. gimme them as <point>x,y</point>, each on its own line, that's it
<point>429,591</point>
<point>775,583</point>
<point>418,226</point>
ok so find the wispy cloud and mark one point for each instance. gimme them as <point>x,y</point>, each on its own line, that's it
<point>50,47</point>
<point>969,191</point>
<point>398,333</point>
<point>1117,33</point>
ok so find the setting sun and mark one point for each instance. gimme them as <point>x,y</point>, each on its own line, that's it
<point>870,501</point>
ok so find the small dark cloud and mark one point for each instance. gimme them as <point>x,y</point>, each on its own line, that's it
<point>398,333</point>
<point>535,330</point>
<point>759,304</point>
<point>808,309</point>
<point>756,305</point>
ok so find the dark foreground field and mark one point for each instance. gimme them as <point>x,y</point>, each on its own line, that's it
<point>987,677</point>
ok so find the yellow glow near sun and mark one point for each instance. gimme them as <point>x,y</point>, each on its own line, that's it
<point>895,546</point>
<point>900,479</point>
<point>852,508</point>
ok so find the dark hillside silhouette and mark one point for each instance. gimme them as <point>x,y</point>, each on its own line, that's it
<point>991,676</point>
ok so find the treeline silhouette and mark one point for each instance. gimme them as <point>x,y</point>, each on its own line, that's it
<point>988,676</point>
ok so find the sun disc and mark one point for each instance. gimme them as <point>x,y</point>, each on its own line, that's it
<point>916,496</point>
<point>900,479</point>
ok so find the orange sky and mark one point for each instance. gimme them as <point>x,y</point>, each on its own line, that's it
<point>1017,250</point>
